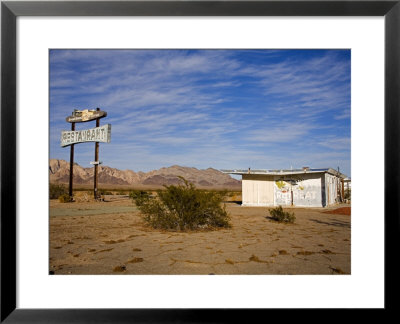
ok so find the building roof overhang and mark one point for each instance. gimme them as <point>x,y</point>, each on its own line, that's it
<point>284,172</point>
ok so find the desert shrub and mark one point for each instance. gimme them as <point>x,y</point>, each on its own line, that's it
<point>347,194</point>
<point>139,197</point>
<point>64,198</point>
<point>56,190</point>
<point>279,215</point>
<point>183,207</point>
<point>103,192</point>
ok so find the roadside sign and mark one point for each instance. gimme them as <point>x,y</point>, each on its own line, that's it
<point>79,116</point>
<point>96,162</point>
<point>97,134</point>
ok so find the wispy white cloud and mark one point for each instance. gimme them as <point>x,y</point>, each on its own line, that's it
<point>221,108</point>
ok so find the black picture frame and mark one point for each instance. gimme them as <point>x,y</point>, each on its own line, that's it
<point>10,10</point>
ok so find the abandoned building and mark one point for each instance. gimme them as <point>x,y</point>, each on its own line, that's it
<point>300,187</point>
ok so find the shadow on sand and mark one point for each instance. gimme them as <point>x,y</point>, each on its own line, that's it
<point>333,222</point>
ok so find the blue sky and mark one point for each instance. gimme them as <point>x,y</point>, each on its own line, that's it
<point>225,109</point>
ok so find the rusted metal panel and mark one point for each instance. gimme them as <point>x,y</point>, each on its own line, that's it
<point>80,116</point>
<point>97,134</point>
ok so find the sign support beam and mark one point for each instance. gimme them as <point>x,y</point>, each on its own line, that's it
<point>71,165</point>
<point>96,159</point>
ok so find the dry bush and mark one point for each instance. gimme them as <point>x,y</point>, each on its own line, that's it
<point>277,214</point>
<point>56,190</point>
<point>183,207</point>
<point>139,197</point>
<point>65,198</point>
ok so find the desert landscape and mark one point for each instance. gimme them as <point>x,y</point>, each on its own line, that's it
<point>127,179</point>
<point>271,127</point>
<point>110,237</point>
<point>241,128</point>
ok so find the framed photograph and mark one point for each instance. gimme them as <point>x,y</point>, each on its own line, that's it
<point>247,105</point>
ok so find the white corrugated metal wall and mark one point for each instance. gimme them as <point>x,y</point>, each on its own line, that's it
<point>303,190</point>
<point>257,190</point>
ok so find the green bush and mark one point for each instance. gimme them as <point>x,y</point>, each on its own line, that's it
<point>139,197</point>
<point>65,198</point>
<point>279,215</point>
<point>56,190</point>
<point>183,207</point>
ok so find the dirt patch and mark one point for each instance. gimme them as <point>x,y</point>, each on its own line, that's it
<point>106,243</point>
<point>119,269</point>
<point>114,242</point>
<point>327,252</point>
<point>135,260</point>
<point>255,258</point>
<point>305,253</point>
<point>337,270</point>
<point>105,250</point>
<point>340,211</point>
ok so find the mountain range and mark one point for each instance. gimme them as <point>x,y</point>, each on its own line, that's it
<point>208,178</point>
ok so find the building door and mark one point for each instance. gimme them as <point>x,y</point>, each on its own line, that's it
<point>265,193</point>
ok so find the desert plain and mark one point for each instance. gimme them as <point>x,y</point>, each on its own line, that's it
<point>110,237</point>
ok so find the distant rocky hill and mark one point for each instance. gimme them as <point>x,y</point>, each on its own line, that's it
<point>209,178</point>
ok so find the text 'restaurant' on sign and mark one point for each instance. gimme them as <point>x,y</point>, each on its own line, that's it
<point>97,134</point>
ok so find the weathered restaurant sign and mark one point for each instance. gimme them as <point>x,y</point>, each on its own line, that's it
<point>79,116</point>
<point>97,134</point>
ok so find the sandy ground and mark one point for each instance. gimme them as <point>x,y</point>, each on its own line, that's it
<point>110,238</point>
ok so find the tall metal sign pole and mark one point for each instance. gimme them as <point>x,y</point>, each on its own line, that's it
<point>96,159</point>
<point>71,164</point>
<point>97,135</point>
